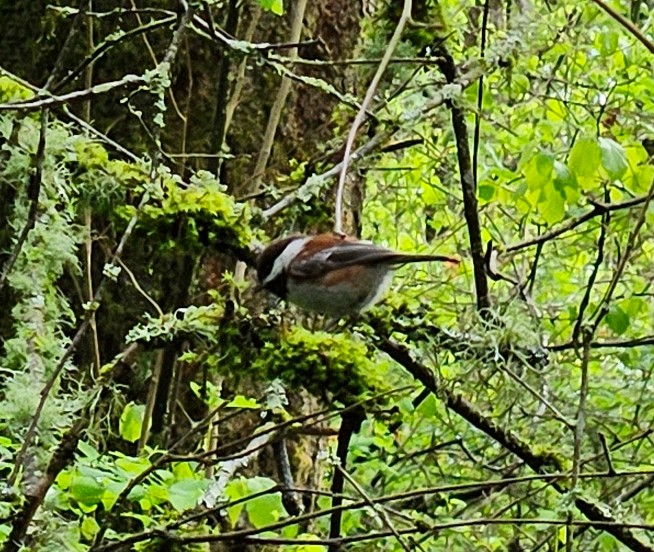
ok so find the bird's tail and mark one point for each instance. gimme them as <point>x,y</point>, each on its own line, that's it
<point>404,258</point>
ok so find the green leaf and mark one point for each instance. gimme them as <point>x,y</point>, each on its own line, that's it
<point>262,510</point>
<point>608,42</point>
<point>556,110</point>
<point>88,451</point>
<point>265,510</point>
<point>184,470</point>
<point>552,209</point>
<point>430,192</point>
<point>86,490</point>
<point>145,519</point>
<point>486,192</point>
<point>185,494</point>
<point>240,401</point>
<point>274,6</point>
<point>310,547</point>
<point>234,491</point>
<point>131,421</point>
<point>89,527</point>
<point>111,493</point>
<point>547,180</point>
<point>563,177</point>
<point>617,320</point>
<point>132,466</point>
<point>585,156</point>
<point>154,495</point>
<point>614,159</point>
<point>538,170</point>
<point>428,407</point>
<point>641,173</point>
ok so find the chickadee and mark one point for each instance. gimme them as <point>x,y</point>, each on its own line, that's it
<point>331,274</point>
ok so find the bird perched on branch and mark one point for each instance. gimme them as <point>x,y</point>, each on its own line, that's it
<point>331,274</point>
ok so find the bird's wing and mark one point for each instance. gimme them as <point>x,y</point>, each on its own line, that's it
<point>342,255</point>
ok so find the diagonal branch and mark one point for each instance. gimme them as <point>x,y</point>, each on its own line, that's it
<point>598,210</point>
<point>603,309</point>
<point>631,27</point>
<point>537,461</point>
<point>351,423</point>
<point>47,100</point>
<point>315,183</point>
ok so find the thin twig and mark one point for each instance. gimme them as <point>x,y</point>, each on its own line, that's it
<point>351,423</point>
<point>239,80</point>
<point>394,41</point>
<point>579,427</point>
<point>585,300</point>
<point>314,183</point>
<point>538,461</point>
<point>631,27</point>
<point>33,193</point>
<point>222,88</point>
<point>108,44</point>
<point>63,455</point>
<point>598,210</point>
<point>383,516</point>
<point>480,95</point>
<point>138,287</point>
<point>357,505</point>
<point>51,100</point>
<point>603,308</point>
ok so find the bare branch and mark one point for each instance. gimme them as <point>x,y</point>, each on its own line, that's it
<point>598,210</point>
<point>622,20</point>
<point>468,187</point>
<point>299,8</point>
<point>538,461</point>
<point>392,44</point>
<point>49,101</point>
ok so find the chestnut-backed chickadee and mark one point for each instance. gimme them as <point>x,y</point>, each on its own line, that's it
<point>331,274</point>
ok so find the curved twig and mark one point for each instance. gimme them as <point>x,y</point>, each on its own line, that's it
<point>395,39</point>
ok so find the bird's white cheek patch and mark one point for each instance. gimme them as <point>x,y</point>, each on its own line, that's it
<point>282,262</point>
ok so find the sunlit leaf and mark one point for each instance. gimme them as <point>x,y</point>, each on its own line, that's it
<point>240,401</point>
<point>131,421</point>
<point>538,170</point>
<point>86,490</point>
<point>585,156</point>
<point>614,159</point>
<point>617,320</point>
<point>274,6</point>
<point>552,208</point>
<point>185,494</point>
<point>89,527</point>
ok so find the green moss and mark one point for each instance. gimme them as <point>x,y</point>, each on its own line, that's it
<point>336,367</point>
<point>208,211</point>
<point>11,91</point>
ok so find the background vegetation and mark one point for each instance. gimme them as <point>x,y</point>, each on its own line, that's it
<point>151,401</point>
